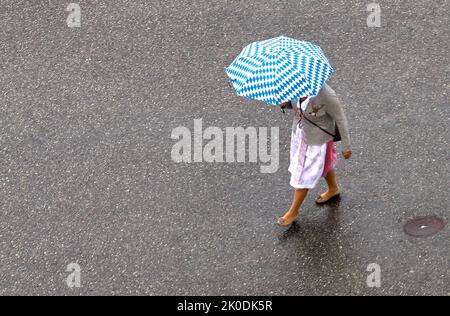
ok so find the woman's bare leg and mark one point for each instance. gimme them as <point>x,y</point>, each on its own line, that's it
<point>333,186</point>
<point>292,214</point>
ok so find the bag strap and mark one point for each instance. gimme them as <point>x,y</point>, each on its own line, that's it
<point>303,116</point>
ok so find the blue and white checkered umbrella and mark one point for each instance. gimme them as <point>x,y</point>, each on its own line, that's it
<point>279,70</point>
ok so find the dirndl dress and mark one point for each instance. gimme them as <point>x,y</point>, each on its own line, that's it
<point>308,162</point>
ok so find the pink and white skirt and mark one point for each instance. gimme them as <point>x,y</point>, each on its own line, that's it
<point>309,162</point>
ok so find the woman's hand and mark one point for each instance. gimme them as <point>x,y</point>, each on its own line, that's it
<point>284,105</point>
<point>347,154</point>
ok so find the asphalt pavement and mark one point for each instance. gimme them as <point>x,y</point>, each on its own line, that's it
<point>87,175</point>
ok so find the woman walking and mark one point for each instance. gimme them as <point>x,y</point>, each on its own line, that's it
<point>284,69</point>
<point>313,152</point>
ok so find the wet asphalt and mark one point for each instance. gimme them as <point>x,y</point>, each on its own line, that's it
<point>87,177</point>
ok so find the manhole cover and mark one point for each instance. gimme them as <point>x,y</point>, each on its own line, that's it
<point>424,226</point>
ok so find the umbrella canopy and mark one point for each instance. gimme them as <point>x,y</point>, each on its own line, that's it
<point>279,70</point>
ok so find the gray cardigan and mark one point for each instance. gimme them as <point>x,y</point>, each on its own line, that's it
<point>328,112</point>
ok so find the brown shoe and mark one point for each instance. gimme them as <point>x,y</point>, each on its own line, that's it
<point>322,200</point>
<point>284,223</point>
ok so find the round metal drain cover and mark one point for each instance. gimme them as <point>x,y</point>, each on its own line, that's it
<point>424,226</point>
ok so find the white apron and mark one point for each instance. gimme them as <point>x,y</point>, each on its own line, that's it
<point>307,161</point>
